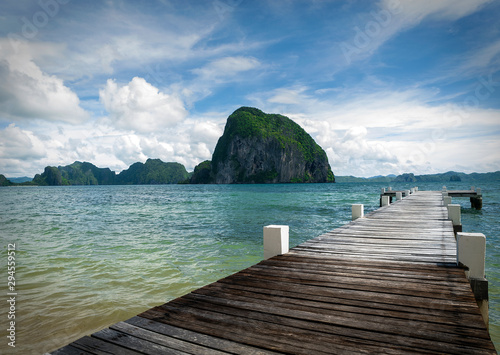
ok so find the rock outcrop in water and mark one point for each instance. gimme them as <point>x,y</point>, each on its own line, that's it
<point>264,148</point>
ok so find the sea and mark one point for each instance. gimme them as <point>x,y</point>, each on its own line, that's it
<point>86,257</point>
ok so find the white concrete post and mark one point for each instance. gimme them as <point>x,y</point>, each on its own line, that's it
<point>416,188</point>
<point>471,251</point>
<point>444,188</point>
<point>399,195</point>
<point>382,190</point>
<point>412,190</point>
<point>407,193</point>
<point>444,193</point>
<point>446,200</point>
<point>454,214</point>
<point>358,211</point>
<point>478,191</point>
<point>386,200</point>
<point>275,240</point>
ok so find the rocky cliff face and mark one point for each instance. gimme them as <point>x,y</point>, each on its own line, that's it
<point>266,148</point>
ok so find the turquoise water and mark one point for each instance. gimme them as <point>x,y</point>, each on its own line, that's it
<point>90,256</point>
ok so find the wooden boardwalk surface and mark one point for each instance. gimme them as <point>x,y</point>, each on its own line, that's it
<point>386,284</point>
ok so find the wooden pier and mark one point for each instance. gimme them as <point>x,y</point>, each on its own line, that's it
<point>385,283</point>
<point>475,196</point>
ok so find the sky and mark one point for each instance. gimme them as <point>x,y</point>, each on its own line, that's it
<point>384,87</point>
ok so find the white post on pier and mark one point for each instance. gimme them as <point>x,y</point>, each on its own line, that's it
<point>399,195</point>
<point>386,200</point>
<point>456,218</point>
<point>407,193</point>
<point>412,190</point>
<point>454,214</point>
<point>382,190</point>
<point>358,211</point>
<point>478,191</point>
<point>389,188</point>
<point>471,253</point>
<point>275,240</point>
<point>446,200</point>
<point>444,188</point>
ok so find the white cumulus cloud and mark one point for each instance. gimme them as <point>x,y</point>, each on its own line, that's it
<point>27,92</point>
<point>140,106</point>
<point>16,143</point>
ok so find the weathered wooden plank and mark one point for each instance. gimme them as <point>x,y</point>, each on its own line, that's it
<point>359,320</point>
<point>376,306</point>
<point>384,333</point>
<point>376,256</point>
<point>421,248</point>
<point>352,275</point>
<point>70,350</point>
<point>257,331</point>
<point>367,296</point>
<point>197,338</point>
<point>131,342</point>
<point>329,307</point>
<point>355,272</point>
<point>377,265</point>
<point>100,347</point>
<point>352,305</point>
<point>164,340</point>
<point>283,332</point>
<point>403,288</point>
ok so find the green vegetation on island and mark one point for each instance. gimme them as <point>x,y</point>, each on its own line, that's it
<point>4,181</point>
<point>86,174</point>
<point>154,171</point>
<point>264,148</point>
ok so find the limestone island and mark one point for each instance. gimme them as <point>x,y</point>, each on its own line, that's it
<point>263,148</point>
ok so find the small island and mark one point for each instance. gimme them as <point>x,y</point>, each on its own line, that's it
<point>264,148</point>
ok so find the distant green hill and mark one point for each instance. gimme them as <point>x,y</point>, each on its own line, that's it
<point>154,171</point>
<point>351,178</point>
<point>4,181</point>
<point>19,180</point>
<point>86,174</point>
<point>449,176</point>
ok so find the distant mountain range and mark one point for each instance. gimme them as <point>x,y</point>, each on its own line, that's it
<point>410,177</point>
<point>154,171</point>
